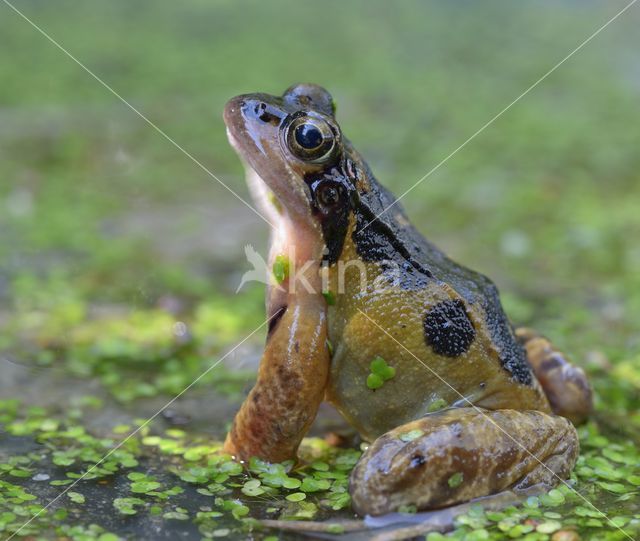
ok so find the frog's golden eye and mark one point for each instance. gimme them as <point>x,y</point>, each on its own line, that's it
<point>310,138</point>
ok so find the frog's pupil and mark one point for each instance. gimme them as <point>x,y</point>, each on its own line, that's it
<point>308,136</point>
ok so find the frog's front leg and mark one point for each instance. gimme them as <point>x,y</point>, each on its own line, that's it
<point>565,384</point>
<point>462,453</point>
<point>290,386</point>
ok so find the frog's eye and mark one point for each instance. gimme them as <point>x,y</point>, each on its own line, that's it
<point>310,139</point>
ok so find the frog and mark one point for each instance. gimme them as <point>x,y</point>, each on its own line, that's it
<point>414,350</point>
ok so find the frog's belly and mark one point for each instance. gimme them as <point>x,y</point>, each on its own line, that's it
<point>424,382</point>
<point>415,390</point>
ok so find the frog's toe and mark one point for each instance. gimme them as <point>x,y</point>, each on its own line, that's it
<point>565,384</point>
<point>460,454</point>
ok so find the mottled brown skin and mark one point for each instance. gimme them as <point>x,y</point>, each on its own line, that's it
<point>295,364</point>
<point>479,400</point>
<point>480,446</point>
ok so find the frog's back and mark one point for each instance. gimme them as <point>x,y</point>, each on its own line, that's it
<point>428,262</point>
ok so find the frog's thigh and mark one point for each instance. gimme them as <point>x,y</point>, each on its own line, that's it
<point>565,385</point>
<point>460,454</point>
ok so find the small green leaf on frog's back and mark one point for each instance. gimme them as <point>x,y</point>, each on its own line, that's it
<point>388,373</point>
<point>455,480</point>
<point>378,365</point>
<point>374,381</point>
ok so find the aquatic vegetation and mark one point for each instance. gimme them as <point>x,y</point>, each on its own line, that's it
<point>187,465</point>
<point>119,257</point>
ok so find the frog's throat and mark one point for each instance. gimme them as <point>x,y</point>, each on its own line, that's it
<point>297,238</point>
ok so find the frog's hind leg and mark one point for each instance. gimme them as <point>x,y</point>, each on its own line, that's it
<point>565,385</point>
<point>459,454</point>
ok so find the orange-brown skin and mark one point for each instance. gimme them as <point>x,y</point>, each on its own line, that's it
<point>477,398</point>
<point>295,363</point>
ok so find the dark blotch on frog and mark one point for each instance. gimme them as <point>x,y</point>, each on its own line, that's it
<point>448,329</point>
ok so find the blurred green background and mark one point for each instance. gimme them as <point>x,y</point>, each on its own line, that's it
<point>110,236</point>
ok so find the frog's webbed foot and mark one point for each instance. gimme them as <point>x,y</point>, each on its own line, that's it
<point>459,454</point>
<point>565,385</point>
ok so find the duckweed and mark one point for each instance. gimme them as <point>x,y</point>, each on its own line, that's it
<point>76,497</point>
<point>437,405</point>
<point>329,297</point>
<point>411,435</point>
<point>321,486</point>
<point>127,506</point>
<point>455,480</point>
<point>380,372</point>
<point>281,268</point>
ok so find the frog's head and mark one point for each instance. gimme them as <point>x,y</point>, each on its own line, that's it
<point>293,143</point>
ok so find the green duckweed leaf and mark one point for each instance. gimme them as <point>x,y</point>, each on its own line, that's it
<point>378,365</point>
<point>374,381</point>
<point>329,297</point>
<point>76,497</point>
<point>411,435</point>
<point>280,268</point>
<point>455,480</point>
<point>143,487</point>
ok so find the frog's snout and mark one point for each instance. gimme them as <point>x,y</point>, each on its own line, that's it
<point>249,126</point>
<point>233,111</point>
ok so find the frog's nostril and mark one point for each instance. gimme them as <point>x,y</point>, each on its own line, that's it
<point>259,108</point>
